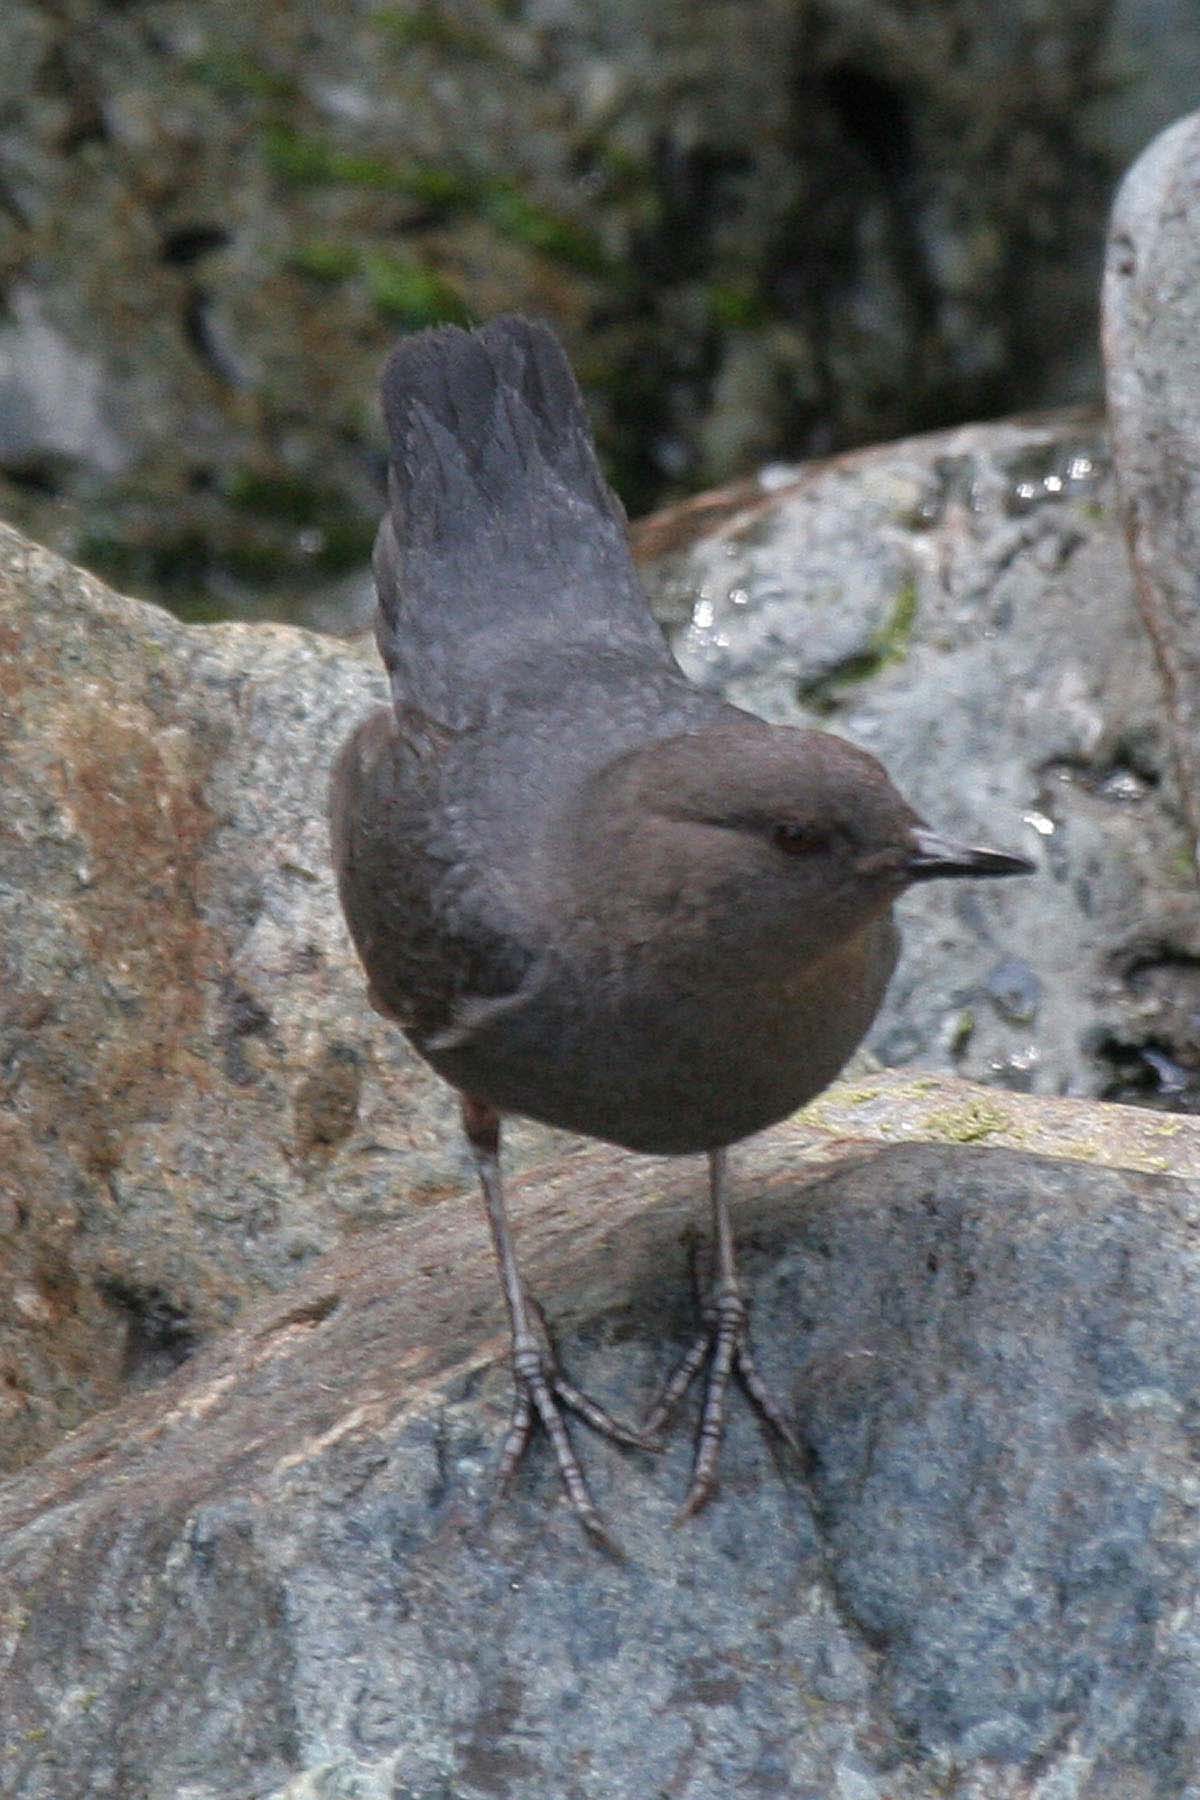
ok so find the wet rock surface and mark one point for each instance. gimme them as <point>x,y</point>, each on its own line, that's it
<point>962,606</point>
<point>282,1573</point>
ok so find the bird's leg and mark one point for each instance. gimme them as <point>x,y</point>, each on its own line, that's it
<point>724,1346</point>
<point>540,1383</point>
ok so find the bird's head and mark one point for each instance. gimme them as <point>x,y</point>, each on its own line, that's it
<point>773,840</point>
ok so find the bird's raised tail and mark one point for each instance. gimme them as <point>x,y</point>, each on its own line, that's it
<point>501,530</point>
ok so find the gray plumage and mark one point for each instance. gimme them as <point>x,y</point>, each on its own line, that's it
<point>500,524</point>
<point>587,891</point>
<point>528,901</point>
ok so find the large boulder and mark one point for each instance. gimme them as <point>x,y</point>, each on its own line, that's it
<point>197,1098</point>
<point>284,1572</point>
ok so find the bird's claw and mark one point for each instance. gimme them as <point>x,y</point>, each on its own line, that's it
<point>724,1345</point>
<point>543,1391</point>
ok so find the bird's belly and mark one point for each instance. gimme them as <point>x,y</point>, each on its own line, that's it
<point>676,1073</point>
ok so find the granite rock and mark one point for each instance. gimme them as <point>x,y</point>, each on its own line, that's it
<point>283,1572</point>
<point>196,1098</point>
<point>1151,338</point>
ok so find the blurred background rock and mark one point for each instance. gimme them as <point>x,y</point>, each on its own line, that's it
<point>765,230</point>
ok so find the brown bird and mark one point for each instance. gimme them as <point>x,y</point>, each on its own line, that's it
<point>586,891</point>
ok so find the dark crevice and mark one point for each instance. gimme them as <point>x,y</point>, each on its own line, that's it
<point>37,478</point>
<point>160,1335</point>
<point>1123,771</point>
<point>12,206</point>
<point>1137,964</point>
<point>1147,1073</point>
<point>210,343</point>
<point>309,1313</point>
<point>1158,1061</point>
<point>244,1017</point>
<point>857,129</point>
<point>190,242</point>
<point>86,126</point>
<point>874,116</point>
<point>65,77</point>
<point>647,388</point>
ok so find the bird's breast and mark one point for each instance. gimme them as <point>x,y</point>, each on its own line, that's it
<point>666,1064</point>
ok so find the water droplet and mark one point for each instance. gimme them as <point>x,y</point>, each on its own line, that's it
<point>1122,784</point>
<point>776,475</point>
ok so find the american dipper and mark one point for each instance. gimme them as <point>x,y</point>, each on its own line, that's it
<point>585,890</point>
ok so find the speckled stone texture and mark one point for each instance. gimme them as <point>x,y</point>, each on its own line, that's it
<point>1152,355</point>
<point>196,1098</point>
<point>280,1574</point>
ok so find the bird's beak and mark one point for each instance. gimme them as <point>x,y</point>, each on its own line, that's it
<point>934,856</point>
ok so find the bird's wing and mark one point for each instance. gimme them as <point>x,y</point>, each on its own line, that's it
<point>432,964</point>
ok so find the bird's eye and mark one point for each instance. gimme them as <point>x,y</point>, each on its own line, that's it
<point>798,839</point>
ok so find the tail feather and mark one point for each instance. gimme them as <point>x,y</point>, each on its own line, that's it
<point>500,528</point>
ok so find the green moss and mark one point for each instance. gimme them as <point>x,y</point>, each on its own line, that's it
<point>406,291</point>
<point>736,306</point>
<point>283,497</point>
<point>1102,1154</point>
<point>523,221</point>
<point>624,167</point>
<point>307,161</point>
<point>257,562</point>
<point>410,293</point>
<point>278,533</point>
<point>424,28</point>
<point>435,186</point>
<point>172,569</point>
<point>284,500</point>
<point>888,645</point>
<point>968,1123</point>
<point>312,162</point>
<point>848,1096</point>
<point>324,260</point>
<point>346,544</point>
<point>240,76</point>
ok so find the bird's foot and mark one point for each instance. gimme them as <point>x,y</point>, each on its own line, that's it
<point>542,1393</point>
<point>724,1346</point>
